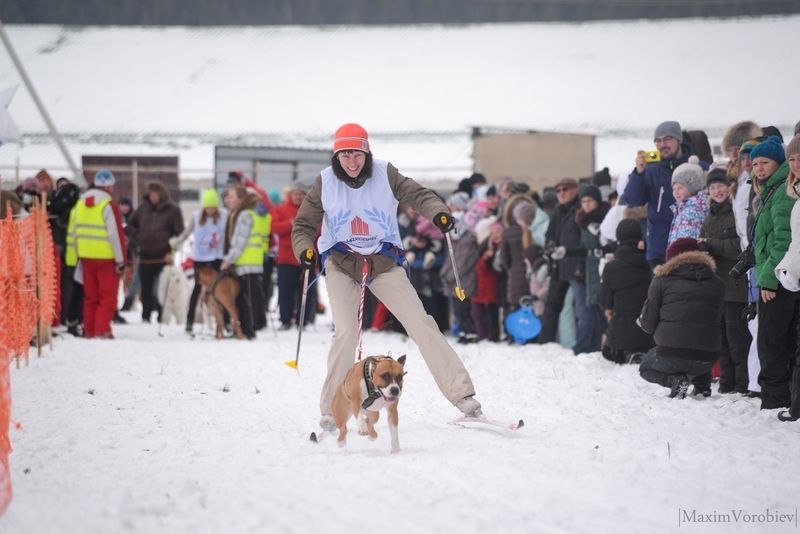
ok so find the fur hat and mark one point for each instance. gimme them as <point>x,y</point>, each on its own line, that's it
<point>629,231</point>
<point>669,128</point>
<point>679,246</point>
<point>592,191</point>
<point>770,148</point>
<point>524,211</point>
<point>690,175</point>
<point>568,182</point>
<point>740,132</point>
<point>350,137</point>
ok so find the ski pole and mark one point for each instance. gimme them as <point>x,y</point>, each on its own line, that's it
<point>458,290</point>
<point>300,321</point>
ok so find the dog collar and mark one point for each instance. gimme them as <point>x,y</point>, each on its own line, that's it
<point>373,393</point>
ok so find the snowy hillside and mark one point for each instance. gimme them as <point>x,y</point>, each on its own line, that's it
<point>615,79</point>
<point>166,435</point>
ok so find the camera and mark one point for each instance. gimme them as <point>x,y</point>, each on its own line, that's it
<point>652,156</point>
<point>744,262</point>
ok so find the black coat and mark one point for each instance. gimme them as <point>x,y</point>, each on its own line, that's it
<point>722,242</point>
<point>623,289</point>
<point>565,232</point>
<point>684,306</point>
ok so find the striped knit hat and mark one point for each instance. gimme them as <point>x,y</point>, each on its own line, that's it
<point>350,136</point>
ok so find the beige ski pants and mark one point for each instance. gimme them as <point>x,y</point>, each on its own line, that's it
<point>395,290</point>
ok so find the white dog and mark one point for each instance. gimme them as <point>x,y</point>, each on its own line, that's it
<point>173,294</point>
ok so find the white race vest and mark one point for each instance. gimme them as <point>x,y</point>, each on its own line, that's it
<point>209,238</point>
<point>362,219</point>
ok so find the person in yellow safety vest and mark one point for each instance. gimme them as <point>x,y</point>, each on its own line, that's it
<point>244,251</point>
<point>96,244</point>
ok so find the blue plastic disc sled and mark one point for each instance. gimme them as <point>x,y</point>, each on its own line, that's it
<point>523,325</point>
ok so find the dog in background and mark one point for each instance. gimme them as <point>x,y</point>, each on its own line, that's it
<point>173,294</point>
<point>221,291</point>
<point>372,384</point>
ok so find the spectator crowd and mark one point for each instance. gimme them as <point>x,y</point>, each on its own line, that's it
<point>687,267</point>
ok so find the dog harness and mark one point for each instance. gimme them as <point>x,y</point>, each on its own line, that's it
<point>373,393</point>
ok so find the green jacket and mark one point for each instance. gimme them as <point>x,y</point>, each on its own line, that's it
<point>773,230</point>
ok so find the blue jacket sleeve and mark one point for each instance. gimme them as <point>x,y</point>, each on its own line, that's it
<point>636,192</point>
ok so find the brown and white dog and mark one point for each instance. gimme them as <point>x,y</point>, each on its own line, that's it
<point>372,384</point>
<point>223,290</point>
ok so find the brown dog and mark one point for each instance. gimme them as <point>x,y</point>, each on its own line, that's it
<point>370,385</point>
<point>223,290</point>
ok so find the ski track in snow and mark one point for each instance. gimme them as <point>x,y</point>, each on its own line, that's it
<point>160,447</point>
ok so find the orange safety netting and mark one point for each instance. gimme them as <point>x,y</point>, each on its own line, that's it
<point>27,300</point>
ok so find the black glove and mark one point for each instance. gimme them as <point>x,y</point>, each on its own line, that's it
<point>750,311</point>
<point>444,221</point>
<point>308,258</point>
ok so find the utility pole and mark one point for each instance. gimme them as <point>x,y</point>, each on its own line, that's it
<point>78,175</point>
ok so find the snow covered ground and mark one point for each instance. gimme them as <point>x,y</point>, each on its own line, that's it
<point>148,434</point>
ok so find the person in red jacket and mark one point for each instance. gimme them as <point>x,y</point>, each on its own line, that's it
<point>289,272</point>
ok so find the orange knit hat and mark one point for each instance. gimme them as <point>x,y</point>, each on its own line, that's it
<point>350,136</point>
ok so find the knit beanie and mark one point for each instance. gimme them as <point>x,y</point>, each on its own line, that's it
<point>518,188</point>
<point>104,178</point>
<point>474,215</point>
<point>629,231</point>
<point>717,174</point>
<point>350,137</point>
<point>669,128</point>
<point>679,246</point>
<point>426,228</point>
<point>690,175</point>
<point>592,191</point>
<point>210,199</point>
<point>747,147</point>
<point>458,201</point>
<point>602,177</point>
<point>549,198</point>
<point>524,211</point>
<point>770,148</point>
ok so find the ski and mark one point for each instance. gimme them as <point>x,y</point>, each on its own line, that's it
<point>316,437</point>
<point>488,423</point>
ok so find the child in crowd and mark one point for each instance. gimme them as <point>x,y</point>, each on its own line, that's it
<point>623,291</point>
<point>719,238</point>
<point>484,307</point>
<point>424,256</point>
<point>691,200</point>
